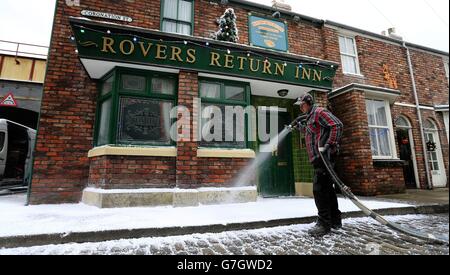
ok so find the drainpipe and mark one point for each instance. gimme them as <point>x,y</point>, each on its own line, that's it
<point>419,114</point>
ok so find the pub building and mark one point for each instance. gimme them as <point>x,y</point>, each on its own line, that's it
<point>117,68</point>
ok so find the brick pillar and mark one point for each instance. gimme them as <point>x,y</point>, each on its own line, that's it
<point>320,98</point>
<point>355,162</point>
<point>187,161</point>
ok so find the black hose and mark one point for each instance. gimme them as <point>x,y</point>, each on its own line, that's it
<point>348,193</point>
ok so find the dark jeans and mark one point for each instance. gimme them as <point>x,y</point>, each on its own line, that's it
<point>325,197</point>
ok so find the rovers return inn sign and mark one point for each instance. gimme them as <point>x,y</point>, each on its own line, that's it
<point>121,47</point>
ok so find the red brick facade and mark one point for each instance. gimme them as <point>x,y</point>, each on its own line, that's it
<point>124,172</point>
<point>62,168</point>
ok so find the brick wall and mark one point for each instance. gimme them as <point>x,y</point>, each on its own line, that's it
<point>220,172</point>
<point>431,82</point>
<point>61,166</point>
<point>125,172</point>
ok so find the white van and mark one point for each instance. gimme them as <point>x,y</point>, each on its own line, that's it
<point>16,150</point>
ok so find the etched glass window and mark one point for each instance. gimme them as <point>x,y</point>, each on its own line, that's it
<point>144,121</point>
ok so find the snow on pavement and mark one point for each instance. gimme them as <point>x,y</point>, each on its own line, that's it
<point>17,219</point>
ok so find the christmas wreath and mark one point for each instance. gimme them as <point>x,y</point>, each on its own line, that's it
<point>431,146</point>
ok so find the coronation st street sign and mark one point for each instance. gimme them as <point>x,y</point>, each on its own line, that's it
<point>185,55</point>
<point>106,15</point>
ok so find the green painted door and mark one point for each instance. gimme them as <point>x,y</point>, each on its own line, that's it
<point>276,175</point>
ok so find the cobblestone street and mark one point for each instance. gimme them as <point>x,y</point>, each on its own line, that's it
<point>359,236</point>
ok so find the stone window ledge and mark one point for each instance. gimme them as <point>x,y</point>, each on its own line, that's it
<point>226,153</point>
<point>133,151</point>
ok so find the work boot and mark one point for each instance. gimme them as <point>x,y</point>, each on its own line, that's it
<point>337,225</point>
<point>319,230</point>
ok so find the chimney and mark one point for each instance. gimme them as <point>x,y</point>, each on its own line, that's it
<point>280,5</point>
<point>393,34</point>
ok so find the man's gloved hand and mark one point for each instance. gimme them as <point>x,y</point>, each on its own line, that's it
<point>324,149</point>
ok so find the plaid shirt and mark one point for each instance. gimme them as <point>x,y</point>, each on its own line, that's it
<point>321,128</point>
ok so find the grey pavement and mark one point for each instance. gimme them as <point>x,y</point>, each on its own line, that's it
<point>420,197</point>
<point>360,236</point>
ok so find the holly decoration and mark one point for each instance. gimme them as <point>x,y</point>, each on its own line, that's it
<point>431,146</point>
<point>227,27</point>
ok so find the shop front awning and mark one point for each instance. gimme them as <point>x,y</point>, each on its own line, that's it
<point>102,46</point>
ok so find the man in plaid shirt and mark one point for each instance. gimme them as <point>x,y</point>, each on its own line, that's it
<point>323,131</point>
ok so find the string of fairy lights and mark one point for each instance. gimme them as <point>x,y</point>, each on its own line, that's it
<point>136,38</point>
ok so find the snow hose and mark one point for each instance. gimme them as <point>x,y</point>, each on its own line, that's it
<point>348,193</point>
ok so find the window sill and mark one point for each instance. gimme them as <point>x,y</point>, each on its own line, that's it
<point>133,151</point>
<point>226,153</point>
<point>354,75</point>
<point>388,163</point>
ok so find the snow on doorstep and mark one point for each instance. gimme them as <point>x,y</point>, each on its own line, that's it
<point>17,219</point>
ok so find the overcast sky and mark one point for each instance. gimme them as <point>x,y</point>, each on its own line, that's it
<point>424,22</point>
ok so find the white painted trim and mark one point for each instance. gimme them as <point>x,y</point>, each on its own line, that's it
<point>99,68</point>
<point>426,108</point>
<point>441,108</point>
<point>354,75</point>
<point>404,105</point>
<point>389,98</point>
<point>445,60</point>
<point>414,106</point>
<point>133,151</point>
<point>372,91</point>
<point>443,168</point>
<point>445,115</point>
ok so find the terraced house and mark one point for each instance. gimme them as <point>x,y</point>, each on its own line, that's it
<point>117,68</point>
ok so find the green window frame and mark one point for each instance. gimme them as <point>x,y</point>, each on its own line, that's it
<point>130,88</point>
<point>222,101</point>
<point>167,21</point>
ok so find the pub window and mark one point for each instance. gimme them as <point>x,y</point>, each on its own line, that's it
<point>224,96</point>
<point>349,55</point>
<point>137,110</point>
<point>177,16</point>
